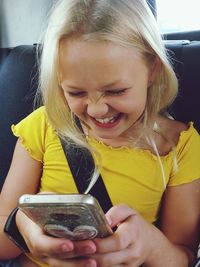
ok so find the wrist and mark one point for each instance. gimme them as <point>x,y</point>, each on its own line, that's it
<point>155,249</point>
<point>164,253</point>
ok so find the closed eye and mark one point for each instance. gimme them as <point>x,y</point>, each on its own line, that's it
<point>77,94</point>
<point>116,92</point>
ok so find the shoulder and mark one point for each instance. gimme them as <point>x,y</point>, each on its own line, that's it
<point>168,134</point>
<point>172,129</point>
<point>35,133</point>
<point>174,133</point>
<point>34,124</point>
<point>39,113</point>
<point>36,117</point>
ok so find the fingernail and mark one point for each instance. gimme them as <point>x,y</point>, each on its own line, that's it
<point>109,220</point>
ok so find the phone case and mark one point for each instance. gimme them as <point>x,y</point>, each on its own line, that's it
<point>73,216</point>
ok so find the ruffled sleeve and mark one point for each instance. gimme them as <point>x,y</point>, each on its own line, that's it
<point>188,158</point>
<point>32,131</point>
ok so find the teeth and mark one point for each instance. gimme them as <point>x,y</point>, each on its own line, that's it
<point>106,120</point>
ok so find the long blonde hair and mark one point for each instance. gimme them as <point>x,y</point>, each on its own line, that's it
<point>129,23</point>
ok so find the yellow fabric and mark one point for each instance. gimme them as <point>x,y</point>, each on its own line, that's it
<point>132,176</point>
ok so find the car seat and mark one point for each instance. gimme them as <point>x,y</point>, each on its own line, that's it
<point>18,84</point>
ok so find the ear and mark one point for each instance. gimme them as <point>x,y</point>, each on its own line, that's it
<point>154,71</point>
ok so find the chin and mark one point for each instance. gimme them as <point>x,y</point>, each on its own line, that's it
<point>107,136</point>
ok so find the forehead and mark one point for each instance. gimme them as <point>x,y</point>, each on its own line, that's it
<point>98,62</point>
<point>74,48</point>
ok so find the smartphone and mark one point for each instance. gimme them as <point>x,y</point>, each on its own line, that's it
<point>72,216</point>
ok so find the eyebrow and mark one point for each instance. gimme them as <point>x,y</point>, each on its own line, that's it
<point>104,87</point>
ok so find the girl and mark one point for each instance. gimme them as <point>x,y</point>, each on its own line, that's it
<point>104,63</point>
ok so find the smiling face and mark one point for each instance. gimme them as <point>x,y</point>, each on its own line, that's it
<point>105,85</point>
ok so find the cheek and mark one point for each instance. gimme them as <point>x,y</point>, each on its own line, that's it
<point>76,105</point>
<point>132,103</point>
<point>130,107</point>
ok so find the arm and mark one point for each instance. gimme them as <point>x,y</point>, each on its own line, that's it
<point>180,222</point>
<point>137,242</point>
<point>23,177</point>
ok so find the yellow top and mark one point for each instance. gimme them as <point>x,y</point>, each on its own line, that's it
<point>131,175</point>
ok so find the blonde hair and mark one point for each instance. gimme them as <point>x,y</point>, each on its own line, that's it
<point>129,23</point>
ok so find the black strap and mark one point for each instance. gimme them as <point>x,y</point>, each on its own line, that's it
<point>81,164</point>
<point>13,233</point>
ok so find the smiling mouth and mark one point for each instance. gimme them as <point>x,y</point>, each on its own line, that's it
<point>108,122</point>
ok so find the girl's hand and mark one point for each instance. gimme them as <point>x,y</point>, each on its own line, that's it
<point>131,244</point>
<point>54,251</point>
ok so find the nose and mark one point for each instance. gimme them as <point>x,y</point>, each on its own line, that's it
<point>97,110</point>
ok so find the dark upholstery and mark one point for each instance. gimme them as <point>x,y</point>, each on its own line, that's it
<point>17,87</point>
<point>187,67</point>
<point>18,83</point>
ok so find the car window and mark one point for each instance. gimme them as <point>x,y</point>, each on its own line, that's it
<point>178,15</point>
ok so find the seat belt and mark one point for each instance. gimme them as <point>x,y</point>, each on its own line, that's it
<point>82,164</point>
